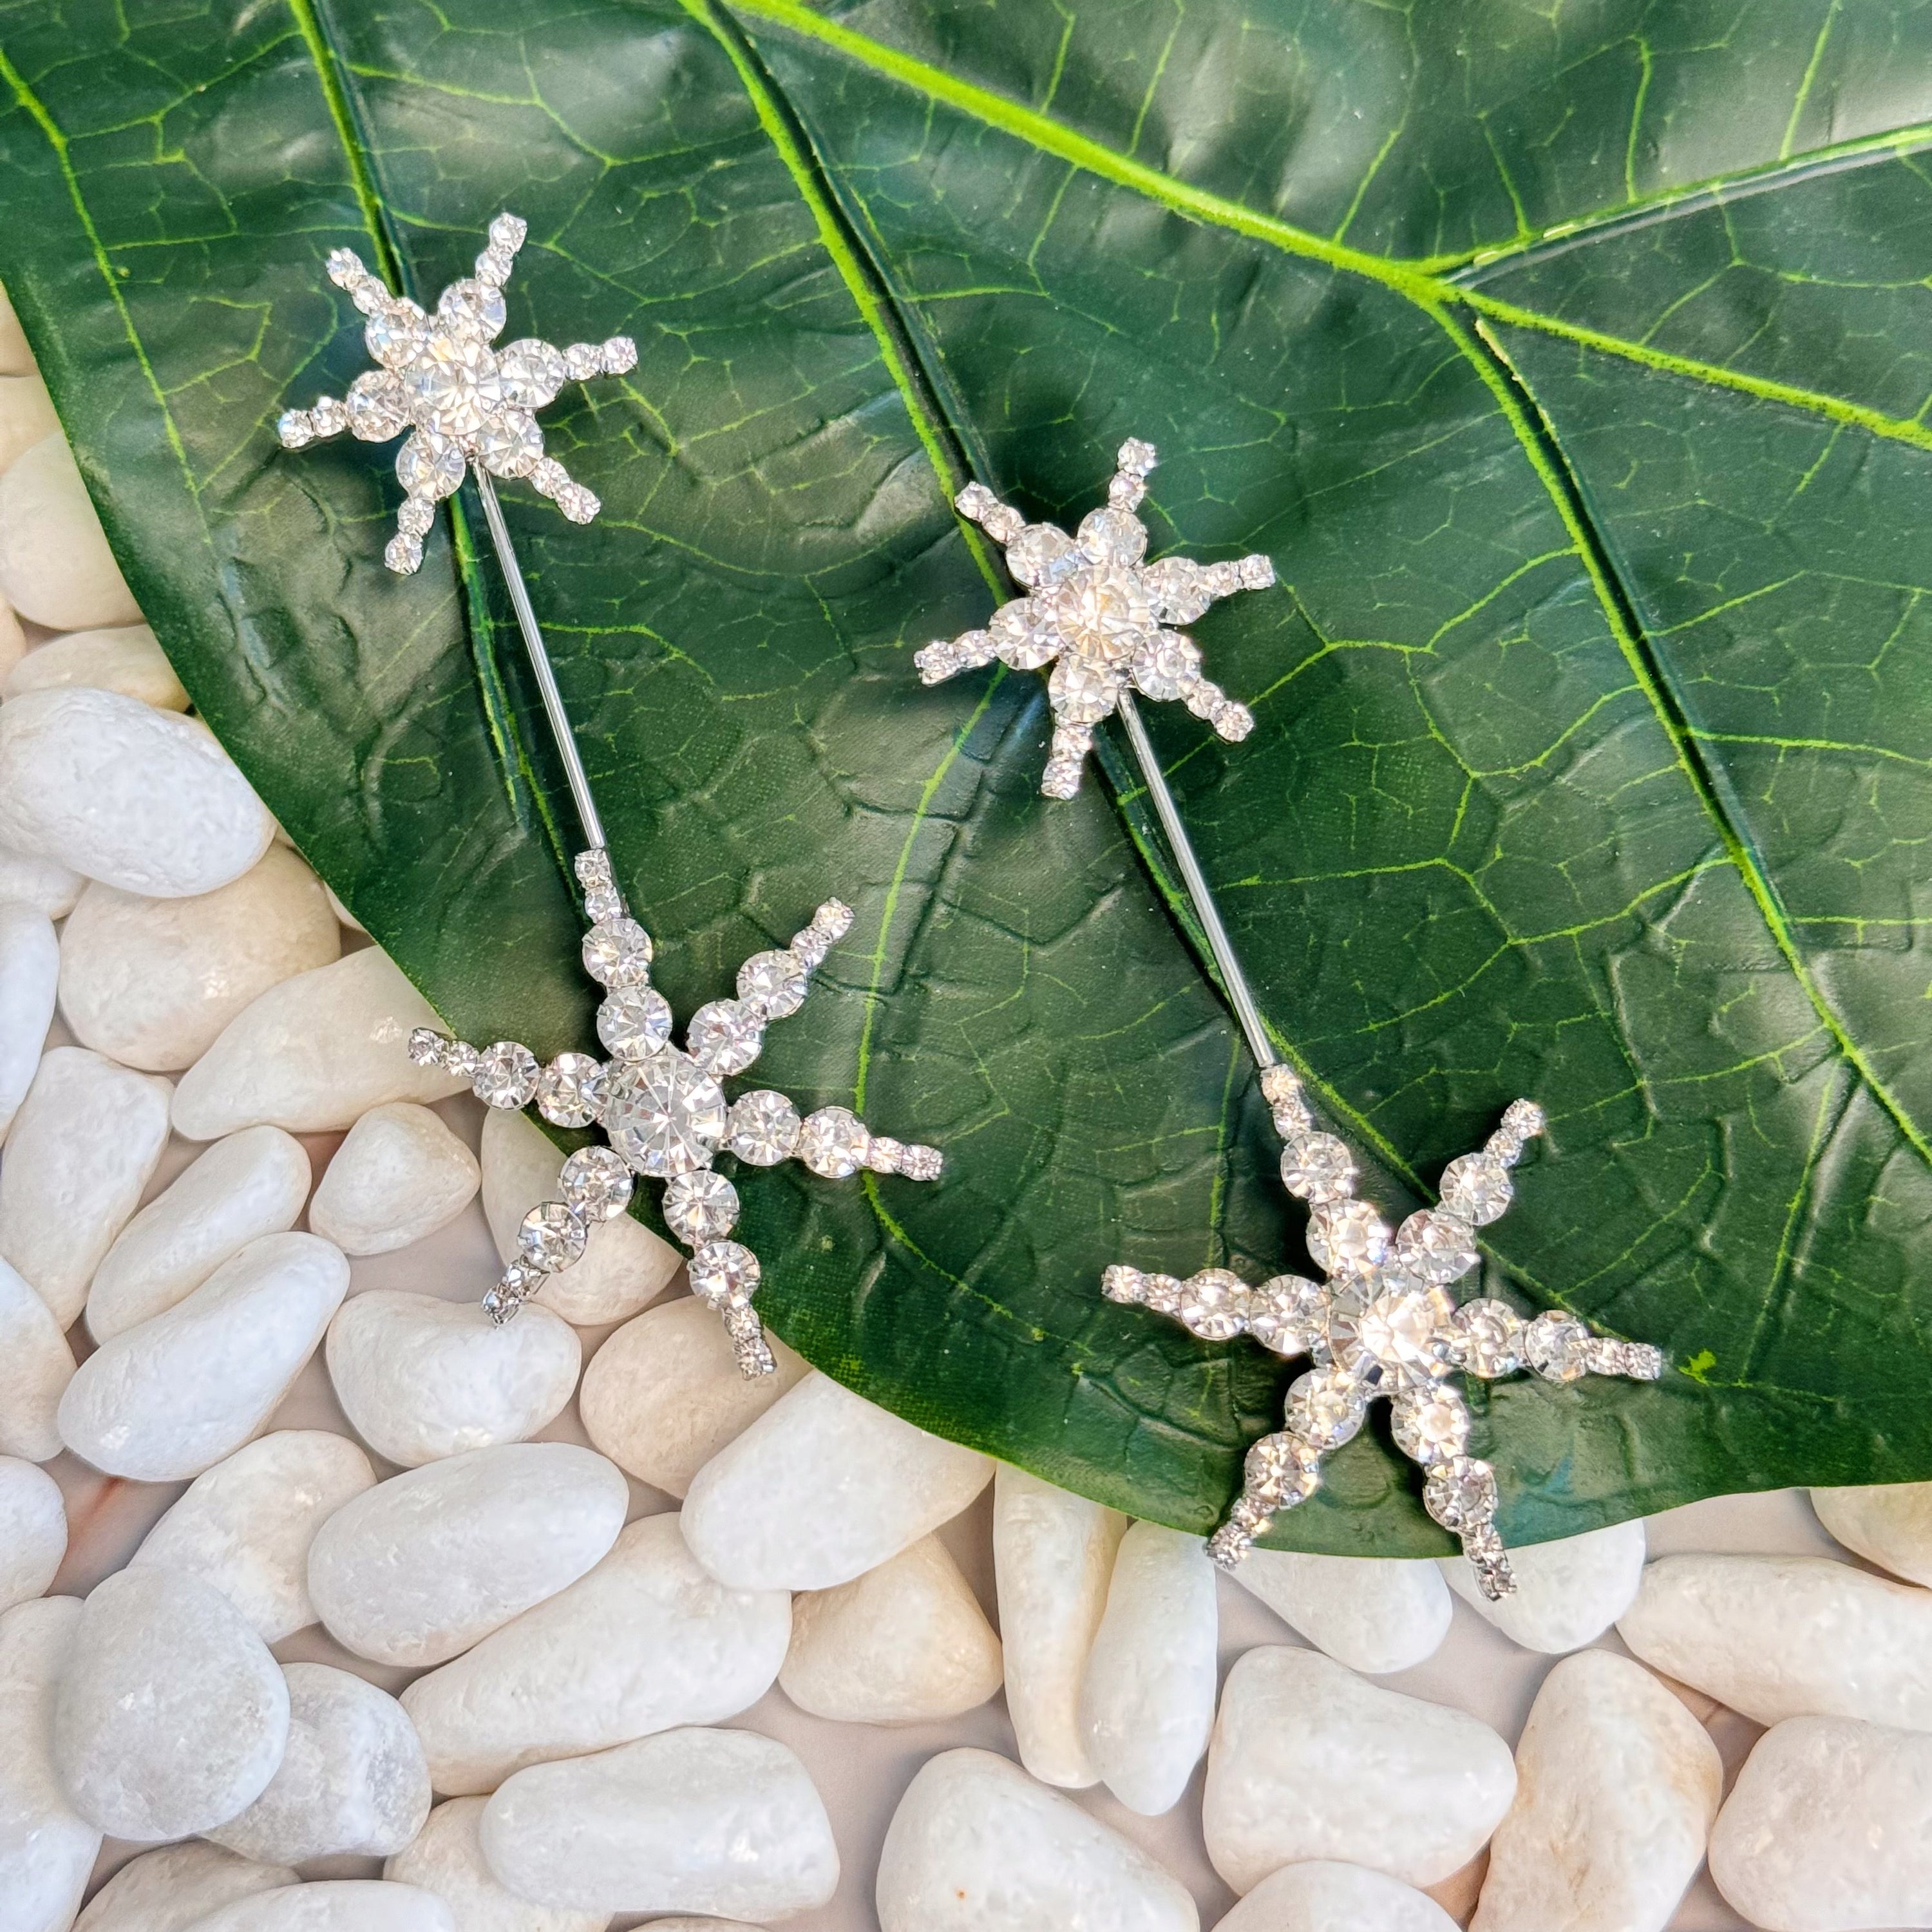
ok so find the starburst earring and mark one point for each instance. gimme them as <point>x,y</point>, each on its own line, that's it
<point>662,1109</point>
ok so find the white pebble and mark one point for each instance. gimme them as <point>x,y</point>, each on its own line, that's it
<point>400,1175</point>
<point>172,1715</point>
<point>1889,1524</point>
<point>13,645</point>
<point>723,1823</point>
<point>33,1531</point>
<point>420,1377</point>
<point>166,1400</point>
<point>43,883</point>
<point>252,1183</point>
<point>335,1905</point>
<point>174,1889</point>
<point>55,564</point>
<point>1310,1761</point>
<point>420,1567</point>
<point>36,1365</point>
<point>127,660</point>
<point>81,1150</point>
<point>1325,1897</point>
<point>26,415</point>
<point>624,1265</point>
<point>29,973</point>
<point>1567,1593</point>
<point>1146,1699</point>
<point>1375,1614</point>
<point>352,1779</point>
<point>663,1395</point>
<point>904,1643</point>
<point>976,1845</point>
<point>137,798</point>
<point>645,1642</point>
<point>1787,1636</point>
<point>1828,1828</point>
<point>447,1859</point>
<point>313,1054</point>
<point>46,1847</point>
<point>245,1525</point>
<point>1617,1784</point>
<point>152,982</point>
<point>823,1486</point>
<point>1053,1557</point>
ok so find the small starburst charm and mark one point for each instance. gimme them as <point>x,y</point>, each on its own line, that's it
<point>1097,614</point>
<point>663,1112</point>
<point>1384,1323</point>
<point>462,401</point>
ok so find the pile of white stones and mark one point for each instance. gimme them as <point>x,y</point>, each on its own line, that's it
<point>542,1645</point>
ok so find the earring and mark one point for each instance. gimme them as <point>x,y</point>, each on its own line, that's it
<point>662,1109</point>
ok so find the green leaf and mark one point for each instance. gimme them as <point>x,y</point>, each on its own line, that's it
<point>1570,365</point>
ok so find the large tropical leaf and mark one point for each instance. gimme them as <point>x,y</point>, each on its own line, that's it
<point>1571,362</point>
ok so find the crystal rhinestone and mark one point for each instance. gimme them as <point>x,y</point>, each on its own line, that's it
<point>426,1046</point>
<point>1021,636</point>
<point>498,1305</point>
<point>414,515</point>
<point>772,984</point>
<point>1524,1118</point>
<point>1461,1493</point>
<point>617,953</point>
<point>1232,722</point>
<point>764,1129</point>
<point>602,903</point>
<point>508,231</point>
<point>1060,777</point>
<point>1398,1337</point>
<point>1126,493</point>
<point>1161,1293</point>
<point>1111,536</point>
<point>1430,1424</point>
<point>1176,589</point>
<point>1281,1471</point>
<point>725,1274</point>
<point>394,334</point>
<point>1256,573</point>
<point>1202,699</point>
<point>883,1156</point>
<point>664,1114</point>
<point>1136,457</point>
<point>344,266</point>
<point>619,355</point>
<point>1292,1117</point>
<point>972,649</point>
<point>1347,1237</point>
<point>723,1036</point>
<point>577,503</point>
<point>1288,1314</point>
<point>295,427</point>
<point>508,443</point>
<point>583,360</point>
<point>376,406</point>
<point>548,476</point>
<point>592,867</point>
<point>1032,555</point>
<point>1166,665</point>
<point>974,501</point>
<point>531,372</point>
<point>521,1281</point>
<point>403,553</point>
<point>1488,1339</point>
<point>1487,1557</point>
<point>505,1076</point>
<point>1318,1168</point>
<point>634,1021</point>
<point>1280,1084</point>
<point>569,1089</point>
<point>1100,614</point>
<point>1214,1304</point>
<point>493,266</point>
<point>700,1207</point>
<point>453,383</point>
<point>429,465</point>
<point>832,1142</point>
<point>1477,1187</point>
<point>330,416</point>
<point>552,1237</point>
<point>1123,1284</point>
<point>596,1183</point>
<point>1435,1246</point>
<point>1643,1361</point>
<point>1325,1407</point>
<point>471,306</point>
<point>1003,523</point>
<point>461,1059</point>
<point>926,1163</point>
<point>1082,691</point>
<point>1557,1346</point>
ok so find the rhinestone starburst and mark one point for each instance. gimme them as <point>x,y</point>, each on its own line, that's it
<point>1097,614</point>
<point>663,1112</point>
<point>462,401</point>
<point>1384,1323</point>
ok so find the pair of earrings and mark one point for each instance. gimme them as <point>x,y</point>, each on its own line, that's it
<point>1384,1322</point>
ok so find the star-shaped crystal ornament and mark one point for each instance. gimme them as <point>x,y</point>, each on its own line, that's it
<point>462,401</point>
<point>1384,1323</point>
<point>663,1110</point>
<point>1098,615</point>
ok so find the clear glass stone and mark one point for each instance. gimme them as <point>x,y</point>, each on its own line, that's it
<point>552,1237</point>
<point>1166,665</point>
<point>376,406</point>
<point>723,1036</point>
<point>617,953</point>
<point>583,360</point>
<point>296,429</point>
<point>1083,692</point>
<point>925,1163</point>
<point>426,1046</point>
<point>974,501</point>
<point>664,1114</point>
<point>1287,1315</point>
<point>764,1129</point>
<point>531,372</point>
<point>1524,1119</point>
<point>1435,1246</point>
<point>1318,1168</point>
<point>414,516</point>
<point>634,1021</point>
<point>1121,1283</point>
<point>577,503</point>
<point>1557,1346</point>
<point>1136,457</point>
<point>1232,722</point>
<point>1461,1493</point>
<point>773,983</point>
<point>453,383</point>
<point>393,335</point>
<point>1214,1304</point>
<point>471,307</point>
<point>1430,1425</point>
<point>882,1156</point>
<point>725,1274</point>
<point>548,476</point>
<point>619,355</point>
<point>1111,536</point>
<point>1177,589</point>
<point>1256,573</point>
<point>833,1142</point>
<point>508,443</point>
<point>700,1207</point>
<point>1489,1339</point>
<point>509,232</point>
<point>596,1183</point>
<point>505,1076</point>
<point>1477,1188</point>
<point>1161,1293</point>
<point>403,553</point>
<point>1325,1407</point>
<point>461,1059</point>
<point>1021,635</point>
<point>429,465</point>
<point>1032,555</point>
<point>569,1089</point>
<point>1100,614</point>
<point>602,903</point>
<point>1281,1470</point>
<point>1395,1335</point>
<point>1347,1237</point>
<point>330,416</point>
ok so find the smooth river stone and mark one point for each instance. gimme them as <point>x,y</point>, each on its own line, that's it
<point>151,982</point>
<point>976,1845</point>
<point>252,1183</point>
<point>47,1849</point>
<point>1053,1558</point>
<point>624,1265</point>
<point>904,1643</point>
<point>1310,1761</point>
<point>663,1395</point>
<point>447,1858</point>
<point>172,1715</point>
<point>1567,1593</point>
<point>313,1054</point>
<point>723,1823</point>
<point>55,567</point>
<point>176,1887</point>
<point>245,1525</point>
<point>126,659</point>
<point>36,1365</point>
<point>33,1531</point>
<point>352,1779</point>
<point>419,1568</point>
<point>1375,1614</point>
<point>13,645</point>
<point>1325,1897</point>
<point>335,1905</point>
<point>1787,1636</point>
<point>1828,1828</point>
<point>26,415</point>
<point>1617,1785</point>
<point>43,883</point>
<point>645,1643</point>
<point>1889,1524</point>
<point>81,1150</point>
<point>400,1175</point>
<point>29,974</point>
<point>823,1486</point>
<point>134,797</point>
<point>421,1378</point>
<point>170,1398</point>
